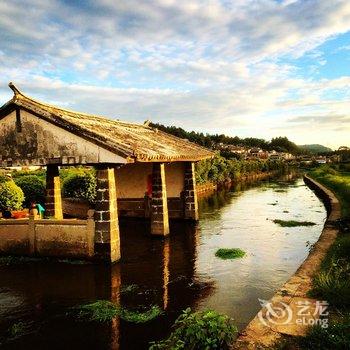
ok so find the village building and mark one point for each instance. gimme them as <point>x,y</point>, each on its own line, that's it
<point>141,172</point>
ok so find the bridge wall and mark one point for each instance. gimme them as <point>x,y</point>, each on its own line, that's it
<point>58,238</point>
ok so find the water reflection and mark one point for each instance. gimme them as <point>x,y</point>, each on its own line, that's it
<point>174,274</point>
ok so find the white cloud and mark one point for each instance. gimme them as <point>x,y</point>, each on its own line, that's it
<point>212,65</point>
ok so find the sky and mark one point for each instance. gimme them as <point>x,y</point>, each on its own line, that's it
<point>251,68</point>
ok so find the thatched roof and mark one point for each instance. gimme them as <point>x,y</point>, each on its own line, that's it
<point>136,142</point>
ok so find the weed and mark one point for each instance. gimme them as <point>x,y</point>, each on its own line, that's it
<point>105,311</point>
<point>336,336</point>
<point>19,329</point>
<point>140,316</point>
<point>130,288</point>
<point>199,331</point>
<point>293,223</point>
<point>101,311</point>
<point>230,253</point>
<point>17,260</point>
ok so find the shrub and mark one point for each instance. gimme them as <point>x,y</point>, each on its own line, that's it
<point>40,173</point>
<point>33,188</point>
<point>80,184</point>
<point>11,196</point>
<point>199,331</point>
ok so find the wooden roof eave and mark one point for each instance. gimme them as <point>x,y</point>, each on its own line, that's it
<point>159,159</point>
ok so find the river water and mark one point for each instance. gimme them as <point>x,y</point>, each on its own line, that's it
<point>179,272</point>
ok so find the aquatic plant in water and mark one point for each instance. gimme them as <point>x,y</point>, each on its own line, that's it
<point>293,223</point>
<point>130,288</point>
<point>140,317</point>
<point>101,311</point>
<point>203,330</point>
<point>19,329</point>
<point>17,260</point>
<point>230,253</point>
<point>104,311</point>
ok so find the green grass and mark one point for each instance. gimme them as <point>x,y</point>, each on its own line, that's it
<point>293,223</point>
<point>105,311</point>
<point>203,330</point>
<point>332,282</point>
<point>336,180</point>
<point>336,336</point>
<point>230,253</point>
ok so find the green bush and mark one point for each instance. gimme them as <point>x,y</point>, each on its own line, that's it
<point>204,330</point>
<point>40,173</point>
<point>80,184</point>
<point>11,196</point>
<point>33,188</point>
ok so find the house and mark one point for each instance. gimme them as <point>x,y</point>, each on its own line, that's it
<point>141,171</point>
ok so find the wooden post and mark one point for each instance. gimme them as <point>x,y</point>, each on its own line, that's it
<point>159,204</point>
<point>53,201</point>
<point>107,241</point>
<point>190,193</point>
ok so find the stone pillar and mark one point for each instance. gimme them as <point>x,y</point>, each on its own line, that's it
<point>107,241</point>
<point>159,203</point>
<point>53,201</point>
<point>190,193</point>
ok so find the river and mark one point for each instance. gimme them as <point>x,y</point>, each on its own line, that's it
<point>179,272</point>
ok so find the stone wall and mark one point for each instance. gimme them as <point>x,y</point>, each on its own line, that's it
<point>40,142</point>
<point>58,238</point>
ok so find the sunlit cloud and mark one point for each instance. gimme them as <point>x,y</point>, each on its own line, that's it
<point>211,66</point>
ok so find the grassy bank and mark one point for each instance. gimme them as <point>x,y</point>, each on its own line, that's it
<point>332,282</point>
<point>337,179</point>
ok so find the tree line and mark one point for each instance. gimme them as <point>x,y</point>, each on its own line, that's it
<point>280,144</point>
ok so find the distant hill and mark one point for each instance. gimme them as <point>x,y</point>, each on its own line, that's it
<point>316,148</point>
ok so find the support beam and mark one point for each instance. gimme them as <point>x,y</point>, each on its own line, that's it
<point>107,241</point>
<point>159,203</point>
<point>53,200</point>
<point>190,193</point>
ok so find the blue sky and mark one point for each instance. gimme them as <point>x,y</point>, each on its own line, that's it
<point>258,68</point>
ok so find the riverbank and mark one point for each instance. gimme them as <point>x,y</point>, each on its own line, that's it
<point>337,179</point>
<point>207,188</point>
<point>265,331</point>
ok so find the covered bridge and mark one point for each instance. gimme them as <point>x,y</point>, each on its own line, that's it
<point>140,169</point>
